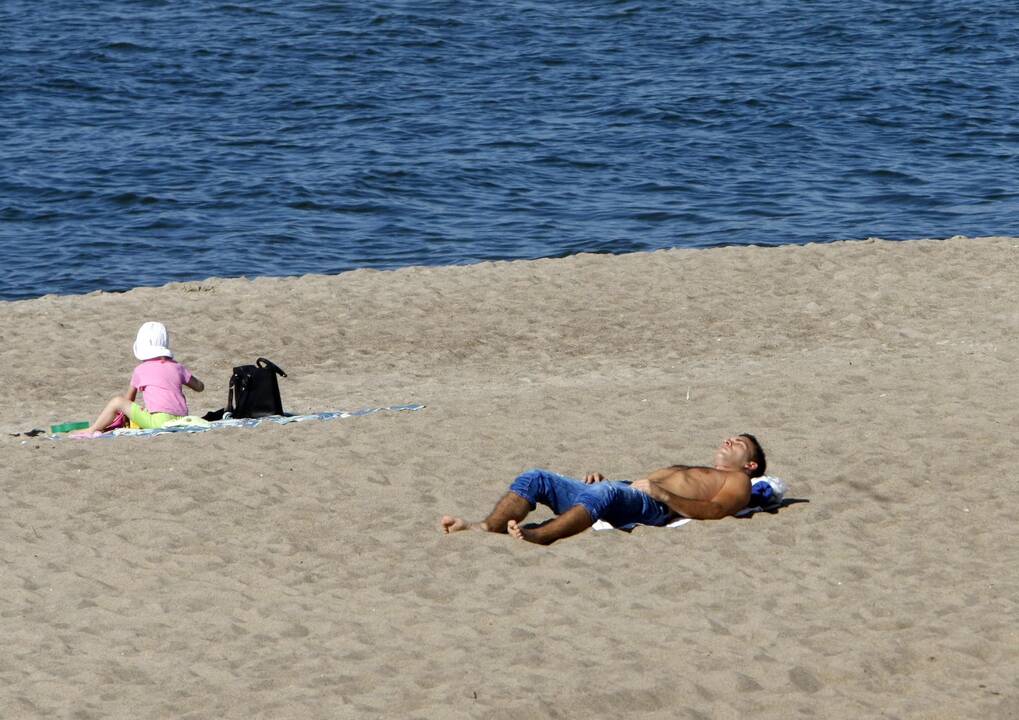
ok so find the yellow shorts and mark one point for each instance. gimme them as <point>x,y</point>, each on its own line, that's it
<point>146,420</point>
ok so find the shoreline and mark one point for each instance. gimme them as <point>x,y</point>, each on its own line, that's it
<point>298,570</point>
<point>198,281</point>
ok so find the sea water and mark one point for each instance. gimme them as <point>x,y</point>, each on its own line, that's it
<point>156,140</point>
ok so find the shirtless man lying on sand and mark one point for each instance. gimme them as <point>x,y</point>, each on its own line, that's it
<point>702,493</point>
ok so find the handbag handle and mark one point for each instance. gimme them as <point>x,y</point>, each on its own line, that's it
<point>263,363</point>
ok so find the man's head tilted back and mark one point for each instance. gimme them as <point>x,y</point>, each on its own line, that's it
<point>741,452</point>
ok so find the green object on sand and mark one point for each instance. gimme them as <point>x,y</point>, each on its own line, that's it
<point>68,427</point>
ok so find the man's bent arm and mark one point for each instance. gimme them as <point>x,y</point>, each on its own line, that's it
<point>727,502</point>
<point>665,473</point>
<point>696,509</point>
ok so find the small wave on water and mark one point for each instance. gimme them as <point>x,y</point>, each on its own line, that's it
<point>164,141</point>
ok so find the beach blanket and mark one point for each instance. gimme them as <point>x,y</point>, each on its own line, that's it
<point>766,493</point>
<point>192,424</point>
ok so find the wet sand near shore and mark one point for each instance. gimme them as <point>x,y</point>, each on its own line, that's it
<point>298,571</point>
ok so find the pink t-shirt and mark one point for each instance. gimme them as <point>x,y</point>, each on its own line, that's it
<point>160,380</point>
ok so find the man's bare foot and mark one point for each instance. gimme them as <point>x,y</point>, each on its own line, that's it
<point>452,524</point>
<point>518,531</point>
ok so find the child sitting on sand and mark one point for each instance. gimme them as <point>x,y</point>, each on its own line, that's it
<point>160,379</point>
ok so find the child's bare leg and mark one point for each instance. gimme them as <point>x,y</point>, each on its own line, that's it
<point>118,403</point>
<point>575,520</point>
<point>511,507</point>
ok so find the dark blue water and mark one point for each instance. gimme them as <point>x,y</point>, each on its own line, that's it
<point>149,141</point>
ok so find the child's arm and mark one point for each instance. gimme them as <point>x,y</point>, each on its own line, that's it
<point>195,384</point>
<point>131,394</point>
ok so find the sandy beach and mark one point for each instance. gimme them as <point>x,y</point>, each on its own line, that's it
<point>298,571</point>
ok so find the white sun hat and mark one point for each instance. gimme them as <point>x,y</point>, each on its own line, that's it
<point>153,341</point>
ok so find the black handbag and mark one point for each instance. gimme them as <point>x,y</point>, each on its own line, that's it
<point>255,391</point>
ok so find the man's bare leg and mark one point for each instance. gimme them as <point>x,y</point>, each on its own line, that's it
<point>511,507</point>
<point>575,520</point>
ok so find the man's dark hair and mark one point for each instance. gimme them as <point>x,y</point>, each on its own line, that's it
<point>758,456</point>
